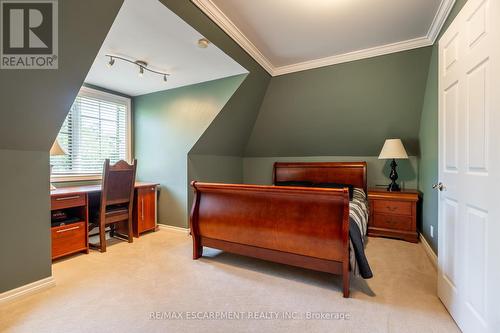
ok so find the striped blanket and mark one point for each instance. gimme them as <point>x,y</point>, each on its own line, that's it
<point>358,225</point>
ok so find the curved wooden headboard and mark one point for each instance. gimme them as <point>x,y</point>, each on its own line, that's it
<point>322,172</point>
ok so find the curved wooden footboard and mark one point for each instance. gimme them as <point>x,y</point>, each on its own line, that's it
<point>299,226</point>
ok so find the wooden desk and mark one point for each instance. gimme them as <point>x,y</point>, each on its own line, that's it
<point>78,201</point>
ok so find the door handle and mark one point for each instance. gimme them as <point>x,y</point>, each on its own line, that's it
<point>439,186</point>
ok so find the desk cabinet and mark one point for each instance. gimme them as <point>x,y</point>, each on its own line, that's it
<point>71,234</point>
<point>144,210</point>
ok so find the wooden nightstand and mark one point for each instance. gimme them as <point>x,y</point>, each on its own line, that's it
<point>393,214</point>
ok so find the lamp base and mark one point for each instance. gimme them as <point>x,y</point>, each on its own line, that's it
<point>393,186</point>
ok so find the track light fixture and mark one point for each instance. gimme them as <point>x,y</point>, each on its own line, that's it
<point>139,63</point>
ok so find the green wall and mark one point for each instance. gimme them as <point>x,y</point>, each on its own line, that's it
<point>25,218</point>
<point>347,109</point>
<point>258,170</point>
<point>341,113</point>
<point>167,125</point>
<point>213,169</point>
<point>33,105</point>
<point>428,139</point>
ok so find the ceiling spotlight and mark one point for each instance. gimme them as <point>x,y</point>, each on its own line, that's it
<point>203,43</point>
<point>143,65</point>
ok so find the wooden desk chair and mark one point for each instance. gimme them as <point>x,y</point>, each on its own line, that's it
<point>117,199</point>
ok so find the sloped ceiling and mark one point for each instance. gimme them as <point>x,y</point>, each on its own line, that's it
<point>34,103</point>
<point>229,132</point>
<point>147,30</point>
<point>343,110</point>
<point>287,36</point>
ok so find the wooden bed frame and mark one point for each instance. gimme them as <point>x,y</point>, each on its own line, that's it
<point>299,226</point>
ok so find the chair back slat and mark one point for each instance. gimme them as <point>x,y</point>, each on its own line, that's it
<point>118,184</point>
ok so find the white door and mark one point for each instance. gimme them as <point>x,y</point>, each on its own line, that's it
<point>469,167</point>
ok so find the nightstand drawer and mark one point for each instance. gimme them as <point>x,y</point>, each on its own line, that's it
<point>392,222</point>
<point>392,207</point>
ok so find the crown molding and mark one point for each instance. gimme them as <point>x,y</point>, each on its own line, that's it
<point>216,15</point>
<point>441,15</point>
<point>355,55</point>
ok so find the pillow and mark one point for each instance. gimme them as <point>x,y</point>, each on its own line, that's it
<point>359,194</point>
<point>301,183</point>
<point>336,185</point>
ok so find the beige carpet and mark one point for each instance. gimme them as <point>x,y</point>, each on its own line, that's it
<point>117,291</point>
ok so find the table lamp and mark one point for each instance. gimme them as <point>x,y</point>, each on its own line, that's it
<point>392,149</point>
<point>55,150</point>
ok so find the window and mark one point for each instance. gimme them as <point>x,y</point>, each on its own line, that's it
<point>97,127</point>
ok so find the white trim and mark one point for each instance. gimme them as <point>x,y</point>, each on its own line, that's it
<point>429,251</point>
<point>217,16</point>
<point>441,15</point>
<point>173,228</point>
<point>73,178</point>
<point>355,55</point>
<point>28,289</point>
<point>99,94</point>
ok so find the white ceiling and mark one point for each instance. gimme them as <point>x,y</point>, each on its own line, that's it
<point>286,36</point>
<point>149,31</point>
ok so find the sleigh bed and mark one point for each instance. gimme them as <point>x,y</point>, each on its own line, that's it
<point>295,225</point>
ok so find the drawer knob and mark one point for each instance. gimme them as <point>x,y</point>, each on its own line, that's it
<point>392,209</point>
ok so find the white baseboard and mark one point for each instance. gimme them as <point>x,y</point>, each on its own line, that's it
<point>28,289</point>
<point>428,250</point>
<point>173,228</point>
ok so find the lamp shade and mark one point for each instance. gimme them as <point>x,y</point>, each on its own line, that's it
<point>393,148</point>
<point>56,149</point>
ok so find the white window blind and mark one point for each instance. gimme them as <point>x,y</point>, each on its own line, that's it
<point>96,128</point>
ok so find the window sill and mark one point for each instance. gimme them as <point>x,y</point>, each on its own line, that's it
<point>74,178</point>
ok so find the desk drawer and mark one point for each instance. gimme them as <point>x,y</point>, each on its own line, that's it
<point>68,239</point>
<point>392,207</point>
<point>393,222</point>
<point>67,201</point>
